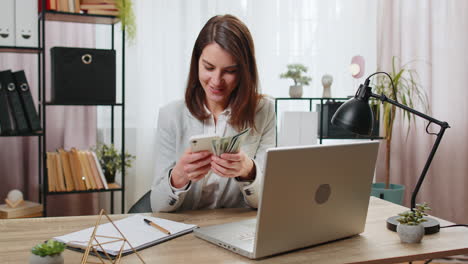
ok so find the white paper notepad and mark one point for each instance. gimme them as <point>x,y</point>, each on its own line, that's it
<point>136,231</point>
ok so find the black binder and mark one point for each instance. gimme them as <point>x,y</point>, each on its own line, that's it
<point>15,104</point>
<point>6,122</point>
<point>27,101</point>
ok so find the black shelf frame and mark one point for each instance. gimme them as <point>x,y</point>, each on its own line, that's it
<point>28,134</point>
<point>47,15</point>
<point>322,100</point>
<point>90,104</point>
<point>87,191</point>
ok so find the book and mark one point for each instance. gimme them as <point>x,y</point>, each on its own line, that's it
<point>97,1</point>
<point>50,5</point>
<point>6,117</point>
<point>99,6</point>
<point>14,102</point>
<point>94,170</point>
<point>77,171</point>
<point>59,173</point>
<point>51,171</point>
<point>26,23</point>
<point>27,101</point>
<point>69,182</point>
<point>86,170</point>
<point>99,168</point>
<point>139,234</point>
<point>103,12</point>
<point>7,23</point>
<point>26,209</point>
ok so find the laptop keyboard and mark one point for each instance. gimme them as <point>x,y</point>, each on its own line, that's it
<point>249,235</point>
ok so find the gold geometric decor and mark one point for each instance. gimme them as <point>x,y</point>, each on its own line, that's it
<point>94,243</point>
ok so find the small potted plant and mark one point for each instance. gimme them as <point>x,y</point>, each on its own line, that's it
<point>47,253</point>
<point>111,160</point>
<point>295,72</point>
<point>410,228</point>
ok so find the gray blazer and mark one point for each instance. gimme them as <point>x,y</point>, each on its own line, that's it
<point>175,126</point>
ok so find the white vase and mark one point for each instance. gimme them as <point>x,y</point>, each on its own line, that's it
<point>295,91</point>
<point>410,233</point>
<point>54,259</point>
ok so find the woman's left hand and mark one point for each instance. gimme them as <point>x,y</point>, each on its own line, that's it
<point>233,165</point>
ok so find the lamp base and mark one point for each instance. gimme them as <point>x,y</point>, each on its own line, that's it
<point>431,226</point>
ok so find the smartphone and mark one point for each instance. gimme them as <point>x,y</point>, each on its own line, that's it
<point>202,142</point>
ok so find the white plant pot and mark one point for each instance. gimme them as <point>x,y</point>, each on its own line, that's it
<point>295,91</point>
<point>54,259</point>
<point>410,233</point>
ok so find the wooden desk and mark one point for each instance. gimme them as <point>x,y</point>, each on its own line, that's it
<point>375,245</point>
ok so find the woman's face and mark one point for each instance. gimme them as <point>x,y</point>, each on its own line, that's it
<point>218,74</point>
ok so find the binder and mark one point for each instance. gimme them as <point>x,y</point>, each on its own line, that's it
<point>6,121</point>
<point>27,101</point>
<point>7,23</point>
<point>14,101</point>
<point>26,23</point>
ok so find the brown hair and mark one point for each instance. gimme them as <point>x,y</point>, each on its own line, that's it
<point>234,37</point>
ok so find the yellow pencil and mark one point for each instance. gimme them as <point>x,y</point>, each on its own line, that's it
<point>165,231</point>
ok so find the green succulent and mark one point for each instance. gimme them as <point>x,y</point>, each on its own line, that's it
<point>49,248</point>
<point>111,159</point>
<point>295,73</point>
<point>414,217</point>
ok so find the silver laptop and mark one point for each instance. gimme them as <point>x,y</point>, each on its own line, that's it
<point>311,195</point>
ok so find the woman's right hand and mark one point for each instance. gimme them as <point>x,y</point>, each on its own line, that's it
<point>192,166</point>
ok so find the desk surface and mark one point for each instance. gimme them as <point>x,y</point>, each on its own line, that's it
<point>375,245</point>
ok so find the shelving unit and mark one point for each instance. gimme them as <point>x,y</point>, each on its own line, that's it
<point>33,51</point>
<point>77,18</point>
<point>322,101</point>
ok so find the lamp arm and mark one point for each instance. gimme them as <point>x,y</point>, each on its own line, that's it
<point>443,127</point>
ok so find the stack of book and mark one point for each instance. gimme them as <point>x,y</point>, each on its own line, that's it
<point>74,170</point>
<point>18,115</point>
<point>100,7</point>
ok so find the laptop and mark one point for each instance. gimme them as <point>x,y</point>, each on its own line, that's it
<point>310,195</point>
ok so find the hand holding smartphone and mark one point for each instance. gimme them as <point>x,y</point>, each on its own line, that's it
<point>202,142</point>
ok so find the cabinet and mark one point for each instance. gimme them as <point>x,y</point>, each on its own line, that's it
<point>40,52</point>
<point>324,126</point>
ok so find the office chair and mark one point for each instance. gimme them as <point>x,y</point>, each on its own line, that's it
<point>143,205</point>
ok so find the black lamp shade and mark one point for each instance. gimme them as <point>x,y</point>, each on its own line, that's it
<point>355,115</point>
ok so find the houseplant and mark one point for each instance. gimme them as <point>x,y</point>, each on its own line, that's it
<point>409,92</point>
<point>47,253</point>
<point>410,228</point>
<point>295,72</point>
<point>127,18</point>
<point>111,160</point>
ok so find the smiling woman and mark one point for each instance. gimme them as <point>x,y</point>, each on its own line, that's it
<point>221,99</point>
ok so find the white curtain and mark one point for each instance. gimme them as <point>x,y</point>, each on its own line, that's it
<point>435,34</point>
<point>323,35</point>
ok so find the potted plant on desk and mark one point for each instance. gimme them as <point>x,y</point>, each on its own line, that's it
<point>110,160</point>
<point>295,73</point>
<point>47,253</point>
<point>408,92</point>
<point>410,228</point>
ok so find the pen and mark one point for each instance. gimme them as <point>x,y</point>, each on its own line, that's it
<point>165,231</point>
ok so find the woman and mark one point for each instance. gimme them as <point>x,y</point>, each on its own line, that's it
<point>221,98</point>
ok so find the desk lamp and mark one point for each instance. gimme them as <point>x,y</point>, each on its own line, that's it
<point>356,115</point>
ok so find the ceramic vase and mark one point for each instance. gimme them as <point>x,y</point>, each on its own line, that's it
<point>54,259</point>
<point>410,233</point>
<point>295,91</point>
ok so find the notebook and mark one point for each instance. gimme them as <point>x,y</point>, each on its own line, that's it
<point>310,195</point>
<point>136,231</point>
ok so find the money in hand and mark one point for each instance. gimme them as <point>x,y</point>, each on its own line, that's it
<point>230,144</point>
